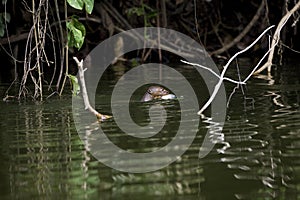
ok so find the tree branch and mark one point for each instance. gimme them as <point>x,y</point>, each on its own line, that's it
<point>222,76</point>
<point>276,38</point>
<point>85,97</point>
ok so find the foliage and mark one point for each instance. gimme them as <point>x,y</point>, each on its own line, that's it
<point>76,33</point>
<point>4,17</point>
<point>76,30</point>
<point>79,4</point>
<point>145,11</point>
<point>75,85</point>
<point>46,22</point>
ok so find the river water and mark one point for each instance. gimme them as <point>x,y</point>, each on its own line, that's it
<point>258,157</point>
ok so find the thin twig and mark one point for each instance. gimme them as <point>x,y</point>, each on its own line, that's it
<point>211,71</point>
<point>54,56</point>
<point>276,38</point>
<point>66,53</point>
<point>62,50</point>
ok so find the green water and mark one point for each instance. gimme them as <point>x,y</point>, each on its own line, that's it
<point>257,157</point>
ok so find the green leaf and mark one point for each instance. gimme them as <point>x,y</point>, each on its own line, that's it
<point>89,5</point>
<point>75,85</point>
<point>135,62</point>
<point>139,11</point>
<point>77,4</point>
<point>76,33</point>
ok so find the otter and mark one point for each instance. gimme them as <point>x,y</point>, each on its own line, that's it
<point>154,92</point>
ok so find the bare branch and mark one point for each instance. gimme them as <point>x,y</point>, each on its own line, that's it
<point>221,77</point>
<point>85,97</point>
<point>211,71</point>
<point>276,38</point>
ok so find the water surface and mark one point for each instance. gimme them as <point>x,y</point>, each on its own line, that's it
<point>256,157</point>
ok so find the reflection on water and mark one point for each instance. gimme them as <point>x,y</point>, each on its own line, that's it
<point>255,157</point>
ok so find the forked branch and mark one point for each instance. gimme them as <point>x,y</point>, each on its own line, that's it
<point>222,76</point>
<point>85,97</point>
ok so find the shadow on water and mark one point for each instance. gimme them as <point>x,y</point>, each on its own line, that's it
<point>255,157</point>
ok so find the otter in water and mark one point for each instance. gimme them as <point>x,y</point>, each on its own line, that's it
<point>154,92</point>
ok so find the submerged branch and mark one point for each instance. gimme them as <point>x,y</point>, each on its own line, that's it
<point>222,76</point>
<point>85,97</point>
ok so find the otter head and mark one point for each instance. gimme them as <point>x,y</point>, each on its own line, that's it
<point>154,92</point>
<point>157,91</point>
